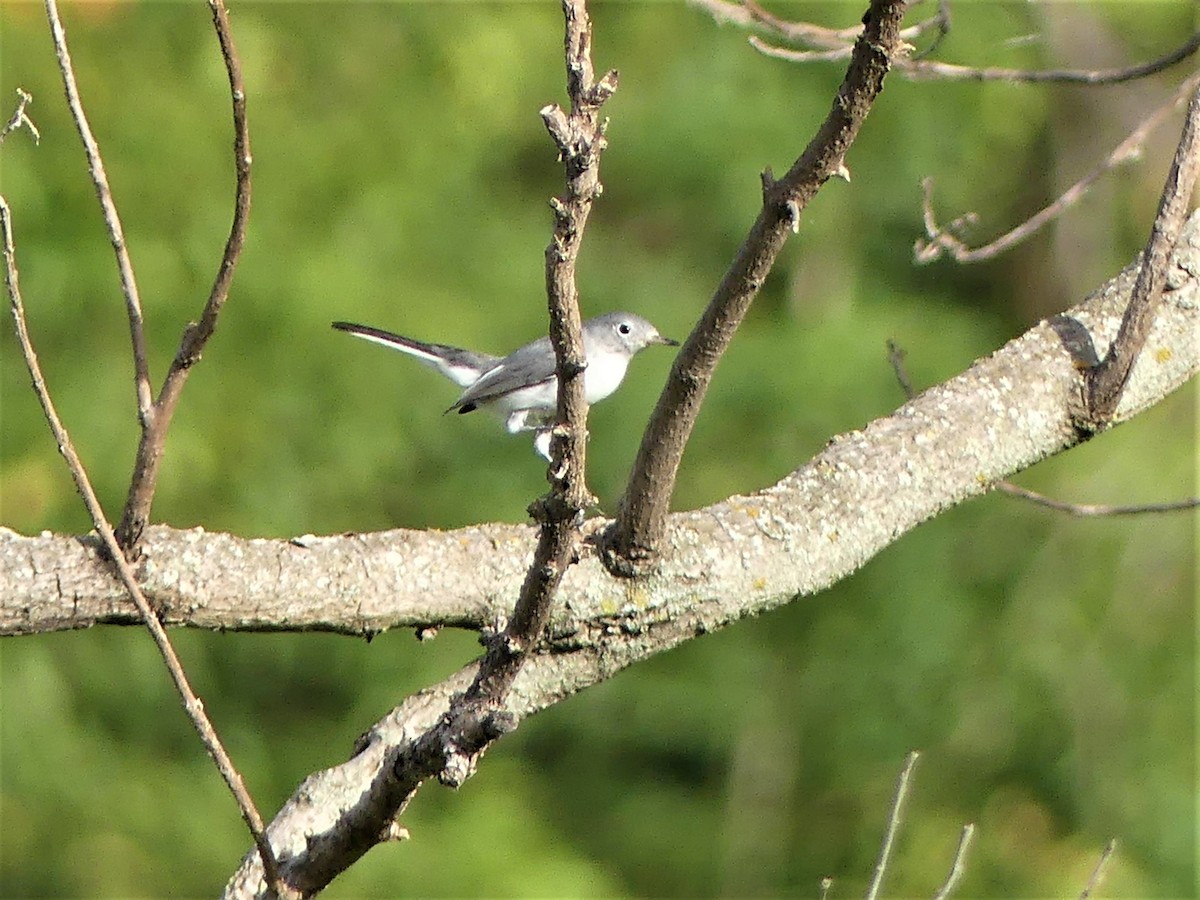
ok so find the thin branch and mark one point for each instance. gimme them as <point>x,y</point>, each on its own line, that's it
<point>1083,510</point>
<point>896,356</point>
<point>948,238</point>
<point>813,35</point>
<point>630,546</point>
<point>959,867</point>
<point>1104,383</point>
<point>749,14</point>
<point>836,54</point>
<point>474,720</point>
<point>112,221</point>
<point>823,44</point>
<point>154,429</point>
<point>893,824</point>
<point>19,118</point>
<point>927,69</point>
<point>1090,510</point>
<point>1099,872</point>
<point>191,703</point>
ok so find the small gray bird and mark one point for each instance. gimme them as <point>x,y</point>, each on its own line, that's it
<point>522,388</point>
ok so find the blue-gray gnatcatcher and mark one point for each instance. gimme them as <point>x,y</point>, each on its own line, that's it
<point>522,388</point>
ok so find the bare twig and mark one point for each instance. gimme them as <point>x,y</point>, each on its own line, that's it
<point>1089,510</point>
<point>749,14</point>
<point>579,136</point>
<point>19,118</point>
<point>195,336</point>
<point>948,238</point>
<point>631,544</point>
<point>1082,510</point>
<point>112,221</point>
<point>959,866</point>
<point>1104,384</point>
<point>1098,872</point>
<point>191,703</point>
<point>896,356</point>
<point>835,54</point>
<point>822,44</point>
<point>893,824</point>
<point>922,69</point>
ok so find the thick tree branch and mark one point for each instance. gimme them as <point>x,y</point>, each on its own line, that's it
<point>1080,510</point>
<point>154,427</point>
<point>750,554</point>
<point>738,558</point>
<point>953,441</point>
<point>632,543</point>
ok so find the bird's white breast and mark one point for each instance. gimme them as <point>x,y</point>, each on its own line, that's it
<point>603,375</point>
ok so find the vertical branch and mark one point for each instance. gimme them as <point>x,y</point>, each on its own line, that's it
<point>112,221</point>
<point>579,136</point>
<point>580,139</point>
<point>631,543</point>
<point>893,826</point>
<point>476,719</point>
<point>150,447</point>
<point>1105,383</point>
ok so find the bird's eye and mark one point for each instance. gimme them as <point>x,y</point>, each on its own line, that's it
<point>624,328</point>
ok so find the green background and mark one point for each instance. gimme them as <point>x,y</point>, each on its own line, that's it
<point>1044,665</point>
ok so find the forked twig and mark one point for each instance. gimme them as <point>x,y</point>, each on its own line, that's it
<point>21,118</point>
<point>749,14</point>
<point>154,417</point>
<point>893,825</point>
<point>191,703</point>
<point>154,430</point>
<point>948,238</point>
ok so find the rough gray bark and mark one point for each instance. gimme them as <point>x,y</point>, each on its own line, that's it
<point>742,556</point>
<point>737,558</point>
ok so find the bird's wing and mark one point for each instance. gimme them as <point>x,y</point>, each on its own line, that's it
<point>531,365</point>
<point>463,367</point>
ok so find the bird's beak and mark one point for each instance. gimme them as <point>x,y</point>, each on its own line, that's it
<point>669,342</point>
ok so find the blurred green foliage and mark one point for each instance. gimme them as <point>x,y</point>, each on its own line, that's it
<point>1045,665</point>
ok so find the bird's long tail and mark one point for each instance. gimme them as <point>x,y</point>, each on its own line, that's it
<point>463,367</point>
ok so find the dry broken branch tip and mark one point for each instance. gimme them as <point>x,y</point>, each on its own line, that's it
<point>20,119</point>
